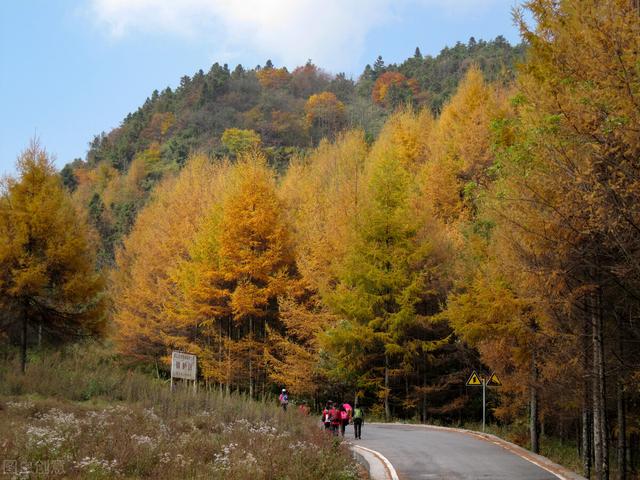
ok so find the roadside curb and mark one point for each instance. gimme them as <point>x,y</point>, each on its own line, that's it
<point>376,464</point>
<point>558,470</point>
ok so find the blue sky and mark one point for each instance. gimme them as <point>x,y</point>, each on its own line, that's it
<point>70,69</point>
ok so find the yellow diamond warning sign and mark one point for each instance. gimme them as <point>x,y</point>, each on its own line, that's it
<point>494,381</point>
<point>474,380</point>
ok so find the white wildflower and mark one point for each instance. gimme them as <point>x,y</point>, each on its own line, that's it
<point>222,459</point>
<point>44,437</point>
<point>26,405</point>
<point>92,465</point>
<point>142,440</point>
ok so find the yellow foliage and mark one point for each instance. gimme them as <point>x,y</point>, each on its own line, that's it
<point>322,192</point>
<point>460,149</point>
<point>47,265</point>
<point>406,135</point>
<point>168,120</point>
<point>323,106</point>
<point>162,235</point>
<point>240,141</point>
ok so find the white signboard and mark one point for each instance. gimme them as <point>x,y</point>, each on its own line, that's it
<point>183,365</point>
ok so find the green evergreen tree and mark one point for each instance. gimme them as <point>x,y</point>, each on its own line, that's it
<point>379,285</point>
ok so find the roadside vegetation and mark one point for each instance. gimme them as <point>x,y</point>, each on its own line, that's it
<point>79,414</point>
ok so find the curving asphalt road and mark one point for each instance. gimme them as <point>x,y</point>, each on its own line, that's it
<point>420,453</point>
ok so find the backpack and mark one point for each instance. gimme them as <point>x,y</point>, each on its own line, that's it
<point>344,415</point>
<point>326,418</point>
<point>358,413</point>
<point>334,415</point>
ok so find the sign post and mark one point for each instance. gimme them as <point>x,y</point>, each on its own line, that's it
<point>476,381</point>
<point>484,401</point>
<point>185,366</point>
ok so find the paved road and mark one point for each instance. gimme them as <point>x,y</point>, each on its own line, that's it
<point>419,453</point>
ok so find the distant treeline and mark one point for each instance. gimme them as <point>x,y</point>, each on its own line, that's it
<point>291,111</point>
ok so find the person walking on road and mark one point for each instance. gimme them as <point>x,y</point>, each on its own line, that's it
<point>334,415</point>
<point>326,416</point>
<point>358,420</point>
<point>284,399</point>
<point>349,410</point>
<point>344,419</point>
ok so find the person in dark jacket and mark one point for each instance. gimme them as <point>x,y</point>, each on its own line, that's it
<point>284,399</point>
<point>358,420</point>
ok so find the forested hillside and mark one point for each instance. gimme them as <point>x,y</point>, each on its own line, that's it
<point>376,240</point>
<point>289,111</point>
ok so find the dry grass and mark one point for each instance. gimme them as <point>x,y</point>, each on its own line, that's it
<point>79,414</point>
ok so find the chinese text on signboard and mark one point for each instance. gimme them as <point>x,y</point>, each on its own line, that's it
<point>183,365</point>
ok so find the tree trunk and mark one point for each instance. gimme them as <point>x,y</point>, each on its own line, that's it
<point>229,358</point>
<point>23,356</point>
<point>622,434</point>
<point>600,446</point>
<point>586,413</point>
<point>633,451</point>
<point>622,421</point>
<point>221,363</point>
<point>251,357</point>
<point>387,410</point>
<point>424,397</point>
<point>534,420</point>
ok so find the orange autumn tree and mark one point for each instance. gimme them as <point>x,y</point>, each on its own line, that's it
<point>207,269</point>
<point>460,149</point>
<point>393,89</point>
<point>325,115</point>
<point>199,306</point>
<point>293,353</point>
<point>256,263</point>
<point>143,285</point>
<point>570,198</point>
<point>238,290</point>
<point>273,78</point>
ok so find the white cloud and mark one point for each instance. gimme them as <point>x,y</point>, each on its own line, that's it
<point>331,32</point>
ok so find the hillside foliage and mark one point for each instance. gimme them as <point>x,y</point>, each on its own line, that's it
<point>285,112</point>
<point>379,240</point>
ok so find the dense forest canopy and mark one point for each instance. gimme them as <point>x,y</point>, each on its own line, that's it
<point>289,111</point>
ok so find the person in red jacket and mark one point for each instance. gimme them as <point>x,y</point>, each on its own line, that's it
<point>326,417</point>
<point>334,415</point>
<point>344,419</point>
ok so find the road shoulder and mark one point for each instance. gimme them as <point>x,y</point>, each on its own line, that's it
<point>378,466</point>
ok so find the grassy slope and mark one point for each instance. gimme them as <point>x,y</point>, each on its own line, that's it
<point>80,412</point>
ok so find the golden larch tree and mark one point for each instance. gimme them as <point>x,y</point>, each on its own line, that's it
<point>48,278</point>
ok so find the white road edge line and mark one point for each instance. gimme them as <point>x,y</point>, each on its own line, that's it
<point>387,463</point>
